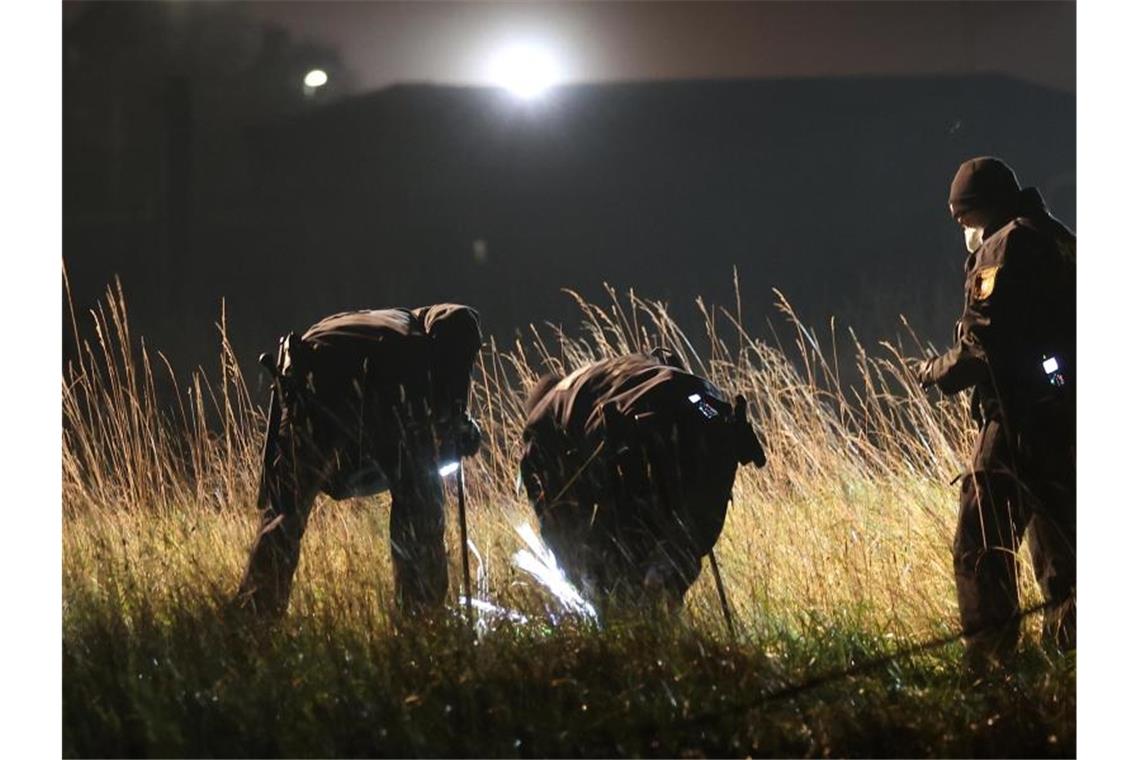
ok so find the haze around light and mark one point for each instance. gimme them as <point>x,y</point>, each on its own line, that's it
<point>526,69</point>
<point>446,43</point>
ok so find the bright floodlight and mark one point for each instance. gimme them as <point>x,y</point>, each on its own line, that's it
<point>525,70</point>
<point>316,78</point>
<point>448,469</point>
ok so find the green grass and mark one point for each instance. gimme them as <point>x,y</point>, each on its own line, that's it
<point>835,554</point>
<point>155,665</point>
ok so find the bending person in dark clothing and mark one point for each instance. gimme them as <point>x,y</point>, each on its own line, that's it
<point>629,464</point>
<point>365,401</point>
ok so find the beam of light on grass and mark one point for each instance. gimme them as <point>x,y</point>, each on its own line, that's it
<point>538,561</point>
<point>487,612</point>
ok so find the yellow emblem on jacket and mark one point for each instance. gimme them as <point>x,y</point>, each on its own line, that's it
<point>984,282</point>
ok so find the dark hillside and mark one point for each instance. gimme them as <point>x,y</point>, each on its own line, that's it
<point>832,190</point>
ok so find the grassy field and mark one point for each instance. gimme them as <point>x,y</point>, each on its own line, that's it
<point>836,553</point>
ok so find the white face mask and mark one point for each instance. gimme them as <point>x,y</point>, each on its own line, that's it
<point>973,238</point>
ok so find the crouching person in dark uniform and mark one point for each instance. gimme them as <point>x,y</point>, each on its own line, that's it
<point>629,464</point>
<point>1016,348</point>
<point>366,401</point>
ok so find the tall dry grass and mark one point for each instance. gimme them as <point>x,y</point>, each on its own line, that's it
<point>851,519</point>
<point>836,552</point>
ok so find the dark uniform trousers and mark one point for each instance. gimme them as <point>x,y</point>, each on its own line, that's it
<point>1022,486</point>
<point>322,443</point>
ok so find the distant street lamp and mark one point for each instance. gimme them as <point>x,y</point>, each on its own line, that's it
<point>315,79</point>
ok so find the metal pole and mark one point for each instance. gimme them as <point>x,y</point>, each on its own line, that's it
<point>720,591</point>
<point>462,499</point>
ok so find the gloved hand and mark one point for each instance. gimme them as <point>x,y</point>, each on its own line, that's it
<point>923,371</point>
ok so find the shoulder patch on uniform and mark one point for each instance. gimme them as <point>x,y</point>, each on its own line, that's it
<point>983,285</point>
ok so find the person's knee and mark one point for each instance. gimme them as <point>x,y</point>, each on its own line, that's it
<point>965,554</point>
<point>421,579</point>
<point>967,551</point>
<point>981,530</point>
<point>417,541</point>
<point>1061,623</point>
<point>671,580</point>
<point>1057,587</point>
<point>268,581</point>
<point>419,556</point>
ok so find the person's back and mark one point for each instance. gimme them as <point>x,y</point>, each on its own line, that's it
<point>636,384</point>
<point>629,463</point>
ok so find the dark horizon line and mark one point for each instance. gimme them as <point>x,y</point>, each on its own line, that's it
<point>990,74</point>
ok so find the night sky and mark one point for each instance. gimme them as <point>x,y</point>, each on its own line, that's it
<point>450,43</point>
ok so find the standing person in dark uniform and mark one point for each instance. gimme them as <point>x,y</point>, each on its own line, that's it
<point>364,401</point>
<point>1016,348</point>
<point>629,463</point>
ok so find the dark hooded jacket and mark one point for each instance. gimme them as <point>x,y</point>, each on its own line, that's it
<point>1020,310</point>
<point>436,344</point>
<point>363,379</point>
<point>572,418</point>
<point>636,384</point>
<point>631,456</point>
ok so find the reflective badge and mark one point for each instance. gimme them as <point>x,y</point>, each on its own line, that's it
<point>984,282</point>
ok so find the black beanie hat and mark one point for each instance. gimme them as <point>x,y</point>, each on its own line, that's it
<point>983,182</point>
